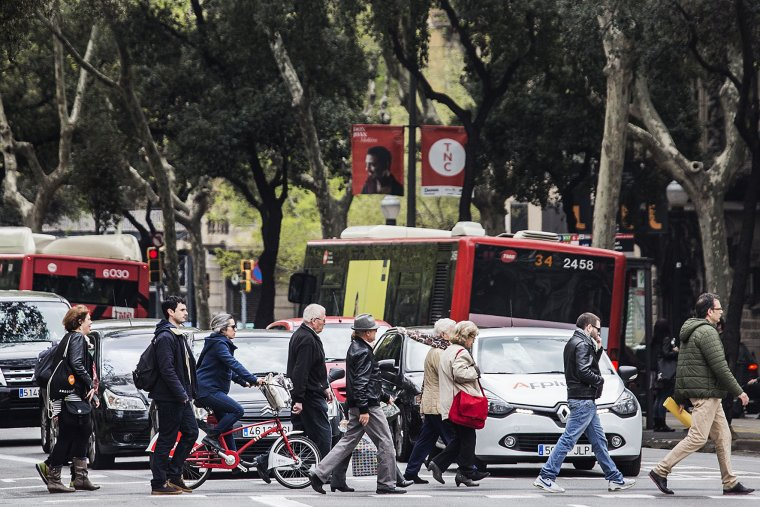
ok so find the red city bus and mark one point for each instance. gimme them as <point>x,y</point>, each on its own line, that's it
<point>104,273</point>
<point>409,277</point>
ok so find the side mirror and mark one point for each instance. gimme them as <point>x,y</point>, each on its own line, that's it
<point>335,374</point>
<point>628,373</point>
<point>387,365</point>
<point>301,287</point>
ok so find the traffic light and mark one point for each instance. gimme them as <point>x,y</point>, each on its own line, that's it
<point>246,273</point>
<point>154,264</point>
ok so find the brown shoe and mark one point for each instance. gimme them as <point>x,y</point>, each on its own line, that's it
<point>54,483</point>
<point>79,479</point>
<point>178,484</point>
<point>165,490</point>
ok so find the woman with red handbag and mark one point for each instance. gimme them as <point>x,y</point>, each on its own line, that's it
<point>464,406</point>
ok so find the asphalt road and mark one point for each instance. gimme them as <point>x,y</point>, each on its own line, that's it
<point>696,481</point>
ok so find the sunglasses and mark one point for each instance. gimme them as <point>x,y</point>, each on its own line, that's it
<point>233,326</point>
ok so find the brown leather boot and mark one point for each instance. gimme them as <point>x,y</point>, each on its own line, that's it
<point>79,479</point>
<point>54,484</point>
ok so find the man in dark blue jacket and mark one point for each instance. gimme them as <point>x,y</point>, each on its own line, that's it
<point>173,395</point>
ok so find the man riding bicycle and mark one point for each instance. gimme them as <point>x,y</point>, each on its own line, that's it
<point>217,366</point>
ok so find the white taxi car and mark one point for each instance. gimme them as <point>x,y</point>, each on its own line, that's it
<point>522,373</point>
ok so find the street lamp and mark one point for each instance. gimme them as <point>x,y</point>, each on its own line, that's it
<point>677,196</point>
<point>391,207</point>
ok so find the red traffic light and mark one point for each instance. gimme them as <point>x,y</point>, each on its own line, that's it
<point>152,253</point>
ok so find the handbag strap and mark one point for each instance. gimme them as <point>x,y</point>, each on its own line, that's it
<point>454,390</point>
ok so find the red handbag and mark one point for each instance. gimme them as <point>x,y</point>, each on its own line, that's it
<point>468,410</point>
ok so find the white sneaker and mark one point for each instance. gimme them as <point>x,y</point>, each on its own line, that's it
<point>548,485</point>
<point>620,486</point>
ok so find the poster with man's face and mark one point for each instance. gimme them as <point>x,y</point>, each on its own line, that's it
<point>377,159</point>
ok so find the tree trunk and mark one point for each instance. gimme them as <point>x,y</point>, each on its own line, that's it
<point>333,213</point>
<point>710,216</point>
<point>470,169</point>
<point>156,163</point>
<point>619,74</point>
<point>201,294</point>
<point>271,227</point>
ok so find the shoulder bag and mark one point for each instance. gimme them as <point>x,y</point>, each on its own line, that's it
<point>468,410</point>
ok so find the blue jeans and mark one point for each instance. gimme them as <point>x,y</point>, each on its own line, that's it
<point>583,419</point>
<point>227,412</point>
<point>172,417</point>
<point>432,428</point>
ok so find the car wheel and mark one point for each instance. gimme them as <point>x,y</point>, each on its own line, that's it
<point>586,464</point>
<point>630,468</point>
<point>98,459</point>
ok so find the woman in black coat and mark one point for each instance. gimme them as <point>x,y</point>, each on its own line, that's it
<point>73,412</point>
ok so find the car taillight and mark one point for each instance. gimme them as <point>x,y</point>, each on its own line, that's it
<point>752,366</point>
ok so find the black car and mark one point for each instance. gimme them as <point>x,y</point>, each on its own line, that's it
<point>29,322</point>
<point>404,382</point>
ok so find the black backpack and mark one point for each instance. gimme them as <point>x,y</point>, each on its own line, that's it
<point>146,373</point>
<point>46,361</point>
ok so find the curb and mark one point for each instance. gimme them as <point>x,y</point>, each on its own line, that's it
<point>748,445</point>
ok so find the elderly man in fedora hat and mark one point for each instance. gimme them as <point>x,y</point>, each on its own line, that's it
<point>363,396</point>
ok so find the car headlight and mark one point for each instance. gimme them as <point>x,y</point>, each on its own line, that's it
<point>626,404</point>
<point>496,406</point>
<point>2,378</point>
<point>121,402</point>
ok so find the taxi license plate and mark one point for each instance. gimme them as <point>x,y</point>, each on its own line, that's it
<point>578,450</point>
<point>29,392</point>
<point>256,431</point>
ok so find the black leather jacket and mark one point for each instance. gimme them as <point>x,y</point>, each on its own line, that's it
<point>582,374</point>
<point>80,363</point>
<point>363,383</point>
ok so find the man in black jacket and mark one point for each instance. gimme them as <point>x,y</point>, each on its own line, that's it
<point>173,395</point>
<point>584,385</point>
<point>363,396</point>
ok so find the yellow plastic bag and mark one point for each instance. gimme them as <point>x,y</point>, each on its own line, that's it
<point>672,406</point>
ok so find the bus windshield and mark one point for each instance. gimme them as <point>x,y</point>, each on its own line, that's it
<point>540,285</point>
<point>86,289</point>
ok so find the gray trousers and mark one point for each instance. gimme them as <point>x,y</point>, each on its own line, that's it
<point>378,431</point>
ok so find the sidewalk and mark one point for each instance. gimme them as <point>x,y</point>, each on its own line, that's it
<point>747,439</point>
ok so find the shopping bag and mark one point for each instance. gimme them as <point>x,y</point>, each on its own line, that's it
<point>364,458</point>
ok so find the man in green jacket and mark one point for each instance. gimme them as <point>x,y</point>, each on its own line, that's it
<point>703,376</point>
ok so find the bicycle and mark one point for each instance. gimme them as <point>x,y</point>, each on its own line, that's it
<point>291,457</point>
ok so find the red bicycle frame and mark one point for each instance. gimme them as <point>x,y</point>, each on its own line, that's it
<point>206,459</point>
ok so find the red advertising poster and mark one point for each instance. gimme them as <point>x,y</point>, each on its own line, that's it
<point>443,160</point>
<point>377,155</point>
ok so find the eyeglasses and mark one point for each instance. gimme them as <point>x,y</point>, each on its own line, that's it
<point>598,329</point>
<point>319,318</point>
<point>718,309</point>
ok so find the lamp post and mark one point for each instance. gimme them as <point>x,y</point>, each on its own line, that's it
<point>677,199</point>
<point>391,207</point>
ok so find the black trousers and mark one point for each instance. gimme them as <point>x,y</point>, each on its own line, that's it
<point>460,449</point>
<point>172,418</point>
<point>73,437</point>
<point>315,423</point>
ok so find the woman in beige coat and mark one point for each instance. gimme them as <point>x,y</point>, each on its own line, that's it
<point>458,372</point>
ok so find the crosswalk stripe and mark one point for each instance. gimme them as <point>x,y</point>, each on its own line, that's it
<point>278,501</point>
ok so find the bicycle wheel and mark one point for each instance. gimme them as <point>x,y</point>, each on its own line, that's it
<point>192,472</point>
<point>306,454</point>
